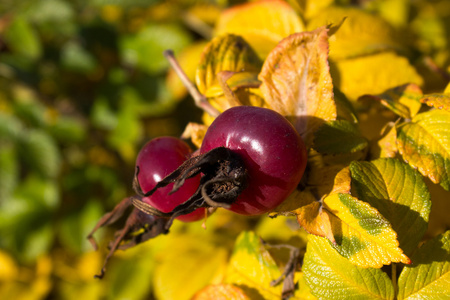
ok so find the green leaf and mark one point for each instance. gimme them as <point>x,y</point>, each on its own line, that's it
<point>425,145</point>
<point>77,225</point>
<point>9,171</point>
<point>428,277</point>
<point>338,137</point>
<point>331,276</point>
<point>40,152</point>
<point>22,39</point>
<point>252,267</point>
<point>10,128</point>
<point>399,193</point>
<point>43,11</point>
<point>75,58</point>
<point>145,49</point>
<point>68,129</point>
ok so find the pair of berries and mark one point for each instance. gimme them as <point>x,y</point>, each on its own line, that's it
<point>250,160</point>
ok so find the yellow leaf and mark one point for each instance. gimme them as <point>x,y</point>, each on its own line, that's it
<point>362,234</point>
<point>439,101</point>
<point>361,33</point>
<point>8,267</point>
<point>261,23</point>
<point>196,132</point>
<point>296,81</point>
<point>373,74</point>
<point>186,267</point>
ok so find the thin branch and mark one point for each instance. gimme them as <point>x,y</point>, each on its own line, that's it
<point>200,99</point>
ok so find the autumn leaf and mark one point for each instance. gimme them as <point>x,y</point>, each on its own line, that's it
<point>399,193</point>
<point>186,266</point>
<point>252,267</point>
<point>263,24</point>
<point>225,53</point>
<point>403,100</point>
<point>425,145</point>
<point>439,101</point>
<point>362,234</point>
<point>221,292</point>
<point>296,81</point>
<point>372,74</point>
<point>428,277</point>
<point>386,144</point>
<point>195,132</point>
<point>308,210</point>
<point>331,276</point>
<point>361,33</point>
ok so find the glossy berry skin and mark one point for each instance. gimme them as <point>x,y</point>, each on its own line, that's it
<point>271,149</point>
<point>158,158</point>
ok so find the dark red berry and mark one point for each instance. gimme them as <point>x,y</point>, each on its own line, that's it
<point>158,158</point>
<point>272,151</point>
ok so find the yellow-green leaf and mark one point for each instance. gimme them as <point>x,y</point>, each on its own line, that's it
<point>400,195</point>
<point>252,268</point>
<point>331,276</point>
<point>362,234</point>
<point>424,143</point>
<point>337,137</point>
<point>296,81</point>
<point>373,74</point>
<point>224,53</point>
<point>261,23</point>
<point>440,101</point>
<point>361,33</point>
<point>403,100</point>
<point>428,277</point>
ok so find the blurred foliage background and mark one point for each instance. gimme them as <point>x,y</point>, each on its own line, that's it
<point>83,84</point>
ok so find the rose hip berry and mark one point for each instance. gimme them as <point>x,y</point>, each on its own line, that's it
<point>272,151</point>
<point>157,159</point>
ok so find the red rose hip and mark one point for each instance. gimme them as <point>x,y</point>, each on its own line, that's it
<point>272,151</point>
<point>158,158</point>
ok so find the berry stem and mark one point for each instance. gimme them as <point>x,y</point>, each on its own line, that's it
<point>199,99</point>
